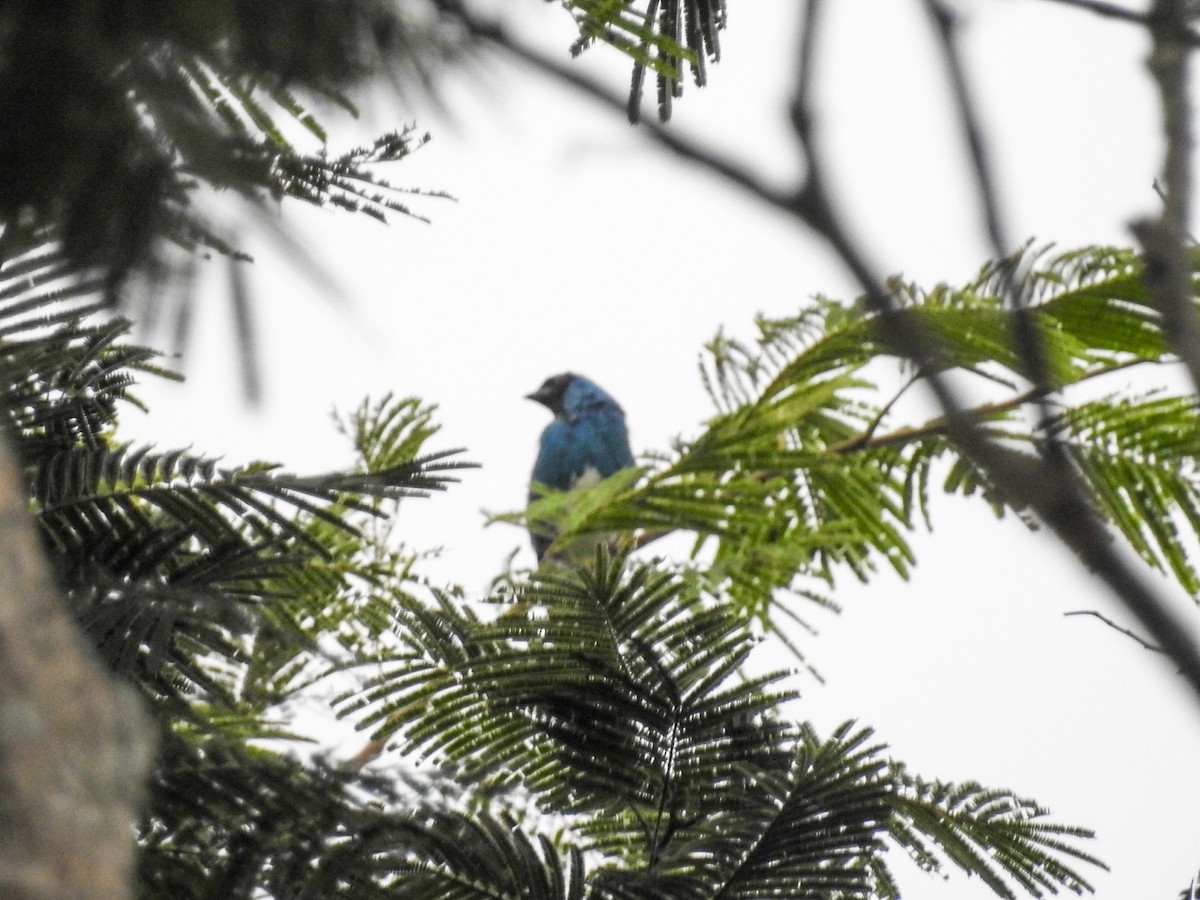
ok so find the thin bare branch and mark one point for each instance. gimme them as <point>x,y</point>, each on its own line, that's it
<point>869,440</point>
<point>1111,624</point>
<point>877,420</point>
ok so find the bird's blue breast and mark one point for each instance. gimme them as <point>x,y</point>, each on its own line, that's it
<point>595,439</point>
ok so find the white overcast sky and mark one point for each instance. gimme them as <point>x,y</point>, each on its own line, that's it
<point>574,244</point>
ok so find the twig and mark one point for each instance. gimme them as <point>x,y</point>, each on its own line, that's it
<point>867,440</point>
<point>1111,624</point>
<point>877,420</point>
<point>1162,195</point>
<point>932,428</point>
<point>368,753</point>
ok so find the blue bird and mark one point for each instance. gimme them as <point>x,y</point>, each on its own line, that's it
<point>586,442</point>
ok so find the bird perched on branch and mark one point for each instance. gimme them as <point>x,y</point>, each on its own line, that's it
<point>586,442</point>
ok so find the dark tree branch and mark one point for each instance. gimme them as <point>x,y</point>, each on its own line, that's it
<point>946,29</point>
<point>1168,272</point>
<point>901,330</point>
<point>1026,337</point>
<point>1044,485</point>
<point>1048,485</point>
<point>1168,278</point>
<point>1061,502</point>
<point>497,35</point>
<point>1108,10</point>
<point>1121,13</point>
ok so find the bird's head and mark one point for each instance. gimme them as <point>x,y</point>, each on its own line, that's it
<point>553,393</point>
<point>569,395</point>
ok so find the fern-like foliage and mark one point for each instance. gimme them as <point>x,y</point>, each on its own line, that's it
<point>143,538</point>
<point>812,832</point>
<point>616,696</point>
<point>119,119</point>
<point>169,558</point>
<point>1138,452</point>
<point>802,473</point>
<point>591,732</point>
<point>651,655</point>
<point>229,822</point>
<point>668,38</point>
<point>63,374</point>
<point>994,834</point>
